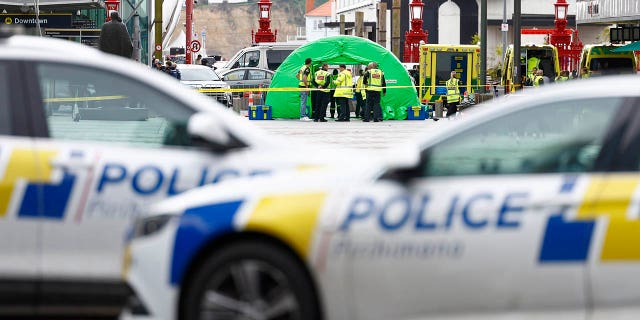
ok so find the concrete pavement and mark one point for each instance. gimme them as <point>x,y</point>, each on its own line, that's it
<point>354,134</point>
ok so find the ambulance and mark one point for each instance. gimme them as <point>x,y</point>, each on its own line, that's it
<point>543,57</point>
<point>436,63</point>
<point>600,60</point>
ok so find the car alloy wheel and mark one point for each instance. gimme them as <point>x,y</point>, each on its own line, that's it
<point>253,281</point>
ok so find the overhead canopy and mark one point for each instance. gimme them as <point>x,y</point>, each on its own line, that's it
<point>337,50</point>
<point>634,46</point>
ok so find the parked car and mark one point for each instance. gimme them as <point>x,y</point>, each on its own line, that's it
<point>265,55</point>
<point>524,209</point>
<point>242,78</point>
<point>202,77</point>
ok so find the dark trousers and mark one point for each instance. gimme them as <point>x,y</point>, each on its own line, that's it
<point>343,111</point>
<point>332,99</point>
<point>320,105</point>
<point>360,104</point>
<point>313,95</point>
<point>452,108</point>
<point>373,104</point>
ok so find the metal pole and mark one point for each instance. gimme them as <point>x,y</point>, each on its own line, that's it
<point>516,43</point>
<point>157,25</point>
<point>504,31</point>
<point>483,45</point>
<point>137,46</point>
<point>203,47</point>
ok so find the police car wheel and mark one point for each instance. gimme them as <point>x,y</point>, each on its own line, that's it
<point>250,280</point>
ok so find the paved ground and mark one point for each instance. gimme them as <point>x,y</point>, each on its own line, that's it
<point>354,134</point>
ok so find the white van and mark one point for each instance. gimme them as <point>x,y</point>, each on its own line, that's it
<point>265,55</point>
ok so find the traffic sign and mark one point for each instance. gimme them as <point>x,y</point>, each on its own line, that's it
<point>158,47</point>
<point>195,45</point>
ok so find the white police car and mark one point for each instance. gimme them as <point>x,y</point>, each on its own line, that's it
<point>529,209</point>
<point>87,141</point>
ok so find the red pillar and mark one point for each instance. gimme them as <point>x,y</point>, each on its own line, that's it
<point>189,31</point>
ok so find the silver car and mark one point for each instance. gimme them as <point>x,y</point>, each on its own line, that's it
<point>242,78</point>
<point>202,77</point>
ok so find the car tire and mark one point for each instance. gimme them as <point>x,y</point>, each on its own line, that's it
<point>249,278</point>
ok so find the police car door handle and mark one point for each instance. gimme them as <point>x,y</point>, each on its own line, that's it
<point>71,164</point>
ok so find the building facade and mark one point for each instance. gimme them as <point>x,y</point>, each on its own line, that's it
<point>457,21</point>
<point>608,11</point>
<point>318,21</point>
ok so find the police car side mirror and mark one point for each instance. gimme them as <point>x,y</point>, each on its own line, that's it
<point>206,126</point>
<point>404,162</point>
<point>402,175</point>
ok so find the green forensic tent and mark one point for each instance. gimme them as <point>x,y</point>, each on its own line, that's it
<point>337,50</point>
<point>634,46</point>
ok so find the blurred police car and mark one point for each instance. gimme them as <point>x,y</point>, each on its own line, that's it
<point>526,209</point>
<point>87,140</point>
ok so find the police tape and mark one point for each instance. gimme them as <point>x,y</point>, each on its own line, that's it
<point>296,89</point>
<point>77,99</point>
<point>256,90</point>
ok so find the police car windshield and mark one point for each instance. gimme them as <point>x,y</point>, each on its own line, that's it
<point>199,74</point>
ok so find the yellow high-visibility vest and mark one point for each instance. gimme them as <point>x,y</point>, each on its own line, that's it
<point>301,75</point>
<point>344,85</point>
<point>360,87</point>
<point>375,80</point>
<point>323,78</point>
<point>453,93</point>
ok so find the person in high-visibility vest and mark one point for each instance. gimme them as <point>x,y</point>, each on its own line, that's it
<point>361,95</point>
<point>563,76</point>
<point>319,105</point>
<point>304,78</point>
<point>344,92</point>
<point>453,94</point>
<point>584,74</point>
<point>539,79</point>
<point>332,92</point>
<point>533,63</point>
<point>531,76</point>
<point>375,84</point>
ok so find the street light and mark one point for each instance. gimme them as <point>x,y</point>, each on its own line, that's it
<point>561,12</point>
<point>264,33</point>
<point>415,35</point>
<point>265,9</point>
<point>561,9</point>
<point>416,9</point>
